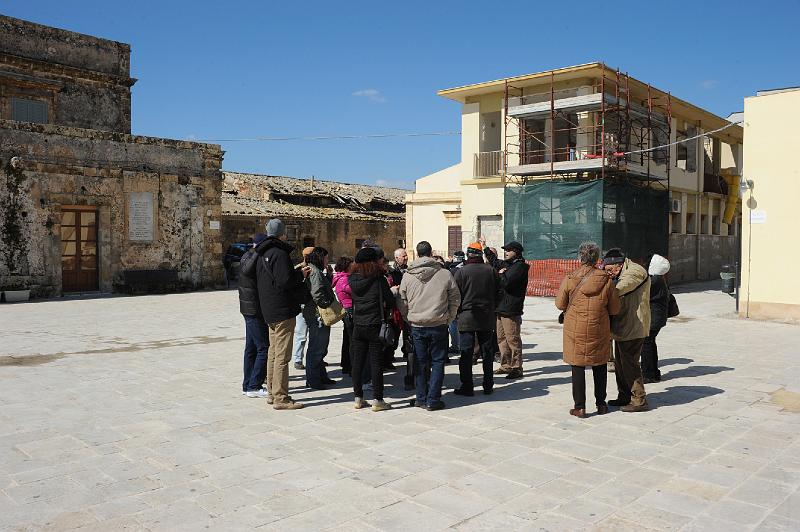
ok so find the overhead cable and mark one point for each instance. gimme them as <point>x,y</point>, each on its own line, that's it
<point>336,137</point>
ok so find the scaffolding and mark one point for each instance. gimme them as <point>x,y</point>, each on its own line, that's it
<point>584,162</point>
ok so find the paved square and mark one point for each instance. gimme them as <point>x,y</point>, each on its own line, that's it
<point>126,413</point>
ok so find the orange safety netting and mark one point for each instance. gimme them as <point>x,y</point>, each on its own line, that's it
<point>544,276</point>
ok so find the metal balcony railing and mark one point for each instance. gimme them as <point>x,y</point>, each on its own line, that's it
<point>488,164</point>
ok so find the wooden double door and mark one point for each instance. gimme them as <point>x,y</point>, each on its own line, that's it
<point>79,250</point>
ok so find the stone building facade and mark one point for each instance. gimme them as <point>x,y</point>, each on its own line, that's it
<point>336,216</point>
<point>84,205</point>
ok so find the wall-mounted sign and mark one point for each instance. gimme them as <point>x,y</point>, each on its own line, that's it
<point>213,224</point>
<point>758,217</point>
<point>140,217</point>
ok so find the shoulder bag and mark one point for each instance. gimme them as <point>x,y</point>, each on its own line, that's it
<point>672,305</point>
<point>386,334</point>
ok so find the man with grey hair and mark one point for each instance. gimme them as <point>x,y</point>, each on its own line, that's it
<point>281,291</point>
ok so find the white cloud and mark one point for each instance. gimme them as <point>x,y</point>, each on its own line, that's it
<point>709,83</point>
<point>371,94</point>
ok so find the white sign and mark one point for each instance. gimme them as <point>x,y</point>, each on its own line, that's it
<point>140,217</point>
<point>213,224</point>
<point>758,217</point>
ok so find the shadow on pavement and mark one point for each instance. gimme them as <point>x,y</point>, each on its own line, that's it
<point>695,371</point>
<point>671,361</point>
<point>680,395</point>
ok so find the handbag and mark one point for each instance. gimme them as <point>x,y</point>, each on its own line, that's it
<point>386,334</point>
<point>672,305</point>
<point>563,314</point>
<point>332,314</point>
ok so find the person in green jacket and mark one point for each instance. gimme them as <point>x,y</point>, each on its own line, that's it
<point>629,328</point>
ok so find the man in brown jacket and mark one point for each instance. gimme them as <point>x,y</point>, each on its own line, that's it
<point>629,328</point>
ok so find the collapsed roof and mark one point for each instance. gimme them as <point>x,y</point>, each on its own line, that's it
<point>265,195</point>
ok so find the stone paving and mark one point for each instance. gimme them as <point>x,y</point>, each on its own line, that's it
<point>126,413</point>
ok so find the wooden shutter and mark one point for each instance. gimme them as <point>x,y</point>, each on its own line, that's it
<point>453,239</point>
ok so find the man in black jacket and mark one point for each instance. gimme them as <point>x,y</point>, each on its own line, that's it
<point>513,283</point>
<point>256,342</point>
<point>478,283</point>
<point>281,290</point>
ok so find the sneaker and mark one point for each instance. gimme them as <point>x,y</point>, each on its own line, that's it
<point>287,405</point>
<point>619,402</point>
<point>501,371</point>
<point>360,403</point>
<point>260,394</point>
<point>381,405</point>
<point>464,391</point>
<point>438,405</point>
<point>515,373</point>
<point>299,365</point>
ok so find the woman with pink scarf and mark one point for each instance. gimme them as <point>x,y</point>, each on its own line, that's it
<point>342,288</point>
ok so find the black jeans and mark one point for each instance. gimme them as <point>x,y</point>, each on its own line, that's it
<point>366,343</point>
<point>650,356</point>
<point>466,345</point>
<point>348,332</point>
<point>600,377</point>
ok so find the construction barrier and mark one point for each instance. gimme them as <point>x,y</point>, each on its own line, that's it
<point>545,276</point>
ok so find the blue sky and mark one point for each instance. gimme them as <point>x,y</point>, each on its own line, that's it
<point>236,69</point>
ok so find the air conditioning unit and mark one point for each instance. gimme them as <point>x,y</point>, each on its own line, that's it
<point>675,205</point>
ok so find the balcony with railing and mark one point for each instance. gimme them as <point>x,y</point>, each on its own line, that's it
<point>488,164</point>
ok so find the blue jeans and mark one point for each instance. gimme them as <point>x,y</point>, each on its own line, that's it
<point>300,331</point>
<point>430,349</point>
<point>454,338</point>
<point>256,345</point>
<point>319,336</point>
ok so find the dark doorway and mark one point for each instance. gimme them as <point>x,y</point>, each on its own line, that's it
<point>79,250</point>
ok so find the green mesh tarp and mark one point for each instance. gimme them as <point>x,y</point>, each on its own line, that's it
<point>552,218</point>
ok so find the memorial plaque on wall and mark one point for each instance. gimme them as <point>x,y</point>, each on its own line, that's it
<point>140,217</point>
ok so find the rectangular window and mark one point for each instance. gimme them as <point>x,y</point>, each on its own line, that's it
<point>23,110</point>
<point>675,221</point>
<point>359,243</point>
<point>291,233</point>
<point>691,224</point>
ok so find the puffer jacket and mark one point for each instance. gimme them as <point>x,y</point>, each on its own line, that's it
<point>428,295</point>
<point>633,289</point>
<point>587,332</point>
<point>366,299</point>
<point>478,284</point>
<point>280,286</point>
<point>248,289</point>
<point>341,286</point>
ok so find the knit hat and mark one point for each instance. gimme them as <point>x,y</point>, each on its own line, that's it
<point>275,228</point>
<point>366,255</point>
<point>613,256</point>
<point>475,249</point>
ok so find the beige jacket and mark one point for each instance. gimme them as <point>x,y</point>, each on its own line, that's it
<point>633,288</point>
<point>428,295</point>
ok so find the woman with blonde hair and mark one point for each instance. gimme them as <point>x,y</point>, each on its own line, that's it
<point>587,297</point>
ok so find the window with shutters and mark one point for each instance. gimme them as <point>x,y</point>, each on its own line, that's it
<point>453,239</point>
<point>23,110</point>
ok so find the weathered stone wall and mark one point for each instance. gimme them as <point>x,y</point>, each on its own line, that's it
<point>715,251</point>
<point>85,80</point>
<point>337,236</point>
<point>63,167</point>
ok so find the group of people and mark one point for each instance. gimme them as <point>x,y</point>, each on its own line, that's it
<point>481,297</point>
<point>623,302</point>
<point>474,303</point>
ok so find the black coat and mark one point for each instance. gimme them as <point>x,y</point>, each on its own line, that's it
<point>366,299</point>
<point>278,282</point>
<point>248,290</point>
<point>659,300</point>
<point>513,284</point>
<point>478,284</point>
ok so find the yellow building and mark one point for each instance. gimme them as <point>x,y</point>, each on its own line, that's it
<point>578,125</point>
<point>769,235</point>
